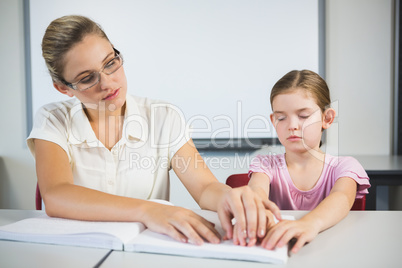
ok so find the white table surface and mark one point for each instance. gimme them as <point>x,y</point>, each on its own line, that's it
<point>362,239</point>
<point>19,254</point>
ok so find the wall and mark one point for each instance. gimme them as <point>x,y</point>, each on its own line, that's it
<point>359,73</point>
<point>196,49</point>
<point>359,67</point>
<point>17,171</point>
<point>359,63</point>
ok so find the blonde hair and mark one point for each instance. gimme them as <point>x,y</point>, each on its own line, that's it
<point>60,36</point>
<point>311,82</point>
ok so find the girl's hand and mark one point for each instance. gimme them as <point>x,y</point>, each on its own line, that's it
<point>249,211</point>
<point>179,223</point>
<point>281,233</point>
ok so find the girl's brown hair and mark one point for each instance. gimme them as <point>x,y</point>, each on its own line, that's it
<point>60,36</point>
<point>309,81</point>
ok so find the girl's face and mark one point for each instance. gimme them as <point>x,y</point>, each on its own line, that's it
<point>298,120</point>
<point>91,55</point>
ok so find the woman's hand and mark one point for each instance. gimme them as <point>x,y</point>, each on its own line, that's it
<point>249,211</point>
<point>269,223</point>
<point>179,223</point>
<point>281,233</point>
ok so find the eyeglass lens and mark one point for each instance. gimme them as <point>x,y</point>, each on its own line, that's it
<point>93,78</point>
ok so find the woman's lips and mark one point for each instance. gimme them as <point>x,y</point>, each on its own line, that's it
<point>113,95</point>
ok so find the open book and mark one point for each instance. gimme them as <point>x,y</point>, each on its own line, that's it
<point>131,236</point>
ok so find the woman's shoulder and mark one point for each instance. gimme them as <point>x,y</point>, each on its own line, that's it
<point>145,102</point>
<point>149,106</point>
<point>58,109</point>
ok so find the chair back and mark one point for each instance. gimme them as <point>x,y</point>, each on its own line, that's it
<point>238,180</point>
<point>38,199</point>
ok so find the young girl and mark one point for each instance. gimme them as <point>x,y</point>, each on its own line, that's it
<point>305,178</point>
<point>86,148</point>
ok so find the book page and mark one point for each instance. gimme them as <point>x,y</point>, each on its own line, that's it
<point>51,230</point>
<point>152,242</point>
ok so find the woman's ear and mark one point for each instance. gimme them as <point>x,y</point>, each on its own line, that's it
<point>63,89</point>
<point>328,118</point>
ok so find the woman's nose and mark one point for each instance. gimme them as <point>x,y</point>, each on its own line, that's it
<point>105,81</point>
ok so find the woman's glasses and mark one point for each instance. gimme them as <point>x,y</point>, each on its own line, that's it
<point>93,78</point>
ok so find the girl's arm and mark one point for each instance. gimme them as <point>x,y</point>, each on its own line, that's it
<point>329,212</point>
<point>247,207</point>
<point>64,199</point>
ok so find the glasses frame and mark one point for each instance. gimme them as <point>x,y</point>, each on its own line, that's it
<point>74,85</point>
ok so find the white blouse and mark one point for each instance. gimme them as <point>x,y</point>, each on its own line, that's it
<point>137,166</point>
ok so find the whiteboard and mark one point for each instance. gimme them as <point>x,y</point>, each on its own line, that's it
<point>216,60</point>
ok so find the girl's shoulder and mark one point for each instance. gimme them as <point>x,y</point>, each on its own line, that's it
<point>270,161</point>
<point>338,161</point>
<point>343,163</point>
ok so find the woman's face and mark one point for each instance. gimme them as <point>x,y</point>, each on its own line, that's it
<point>91,55</point>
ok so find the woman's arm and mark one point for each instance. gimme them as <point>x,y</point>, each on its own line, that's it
<point>64,199</point>
<point>328,213</point>
<point>243,204</point>
<point>260,183</point>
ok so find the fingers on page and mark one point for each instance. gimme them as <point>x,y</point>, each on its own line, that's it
<point>238,212</point>
<point>225,217</point>
<point>273,208</point>
<point>262,220</point>
<point>251,211</point>
<point>273,236</point>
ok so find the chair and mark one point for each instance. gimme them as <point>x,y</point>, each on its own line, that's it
<point>237,180</point>
<point>38,198</point>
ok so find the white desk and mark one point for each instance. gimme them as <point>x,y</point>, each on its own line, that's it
<point>17,254</point>
<point>363,239</point>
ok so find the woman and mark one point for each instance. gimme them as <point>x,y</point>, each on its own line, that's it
<point>89,150</point>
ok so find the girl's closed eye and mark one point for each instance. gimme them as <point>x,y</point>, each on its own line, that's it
<point>304,116</point>
<point>281,118</point>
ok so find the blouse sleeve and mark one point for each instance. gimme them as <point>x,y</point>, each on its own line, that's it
<point>351,168</point>
<point>171,131</point>
<point>50,126</point>
<point>179,132</point>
